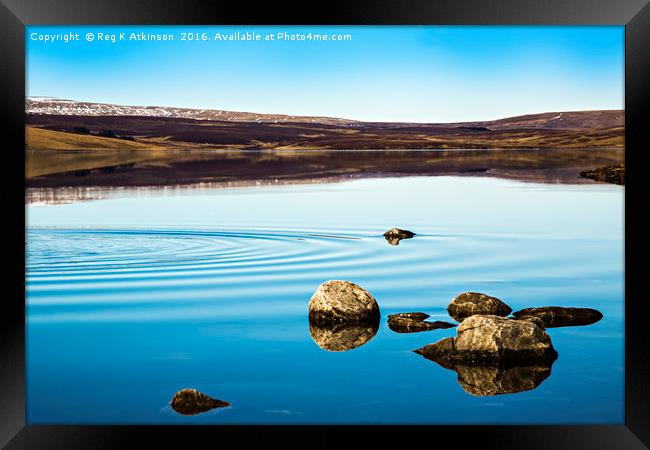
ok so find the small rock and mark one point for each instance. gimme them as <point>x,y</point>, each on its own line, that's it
<point>190,402</point>
<point>409,315</point>
<point>394,235</point>
<point>414,322</point>
<point>614,174</point>
<point>556,316</point>
<point>485,340</point>
<point>341,337</point>
<point>338,301</point>
<point>471,303</point>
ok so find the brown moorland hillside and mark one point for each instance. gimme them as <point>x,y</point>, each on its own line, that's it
<point>583,129</point>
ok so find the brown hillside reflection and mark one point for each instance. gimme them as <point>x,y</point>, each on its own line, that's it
<point>167,168</point>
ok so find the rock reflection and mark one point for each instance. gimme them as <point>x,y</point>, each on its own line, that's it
<point>486,381</point>
<point>497,379</point>
<point>163,168</point>
<point>341,337</point>
<point>392,241</point>
<point>556,316</point>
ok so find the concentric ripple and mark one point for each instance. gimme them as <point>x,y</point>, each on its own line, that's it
<point>106,273</point>
<point>118,274</point>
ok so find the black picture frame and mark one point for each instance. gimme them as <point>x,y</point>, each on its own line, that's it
<point>16,14</point>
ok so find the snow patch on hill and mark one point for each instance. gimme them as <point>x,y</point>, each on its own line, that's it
<point>57,106</point>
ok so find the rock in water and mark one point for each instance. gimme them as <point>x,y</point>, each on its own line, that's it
<point>495,355</point>
<point>341,337</point>
<point>536,320</point>
<point>338,301</point>
<point>409,315</point>
<point>190,402</point>
<point>414,322</point>
<point>484,340</point>
<point>394,235</point>
<point>471,303</point>
<point>556,316</point>
<point>614,173</point>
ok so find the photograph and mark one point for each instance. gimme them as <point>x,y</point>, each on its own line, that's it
<point>325,224</point>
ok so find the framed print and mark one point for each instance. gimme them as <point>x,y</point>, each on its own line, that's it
<point>378,219</point>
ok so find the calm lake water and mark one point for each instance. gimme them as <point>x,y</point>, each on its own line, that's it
<point>134,297</point>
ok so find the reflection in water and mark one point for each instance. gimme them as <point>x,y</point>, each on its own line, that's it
<point>394,240</point>
<point>496,379</point>
<point>51,169</point>
<point>71,194</point>
<point>341,337</point>
<point>485,381</point>
<point>556,316</point>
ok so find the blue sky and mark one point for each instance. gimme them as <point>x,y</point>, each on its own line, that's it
<point>421,74</point>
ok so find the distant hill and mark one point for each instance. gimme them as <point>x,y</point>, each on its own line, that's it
<point>549,120</point>
<point>105,126</point>
<point>572,120</point>
<point>57,106</point>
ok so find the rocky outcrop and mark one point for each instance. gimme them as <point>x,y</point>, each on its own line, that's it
<point>339,301</point>
<point>190,402</point>
<point>556,316</point>
<point>394,235</point>
<point>341,337</point>
<point>485,340</point>
<point>614,174</point>
<point>414,322</point>
<point>472,303</point>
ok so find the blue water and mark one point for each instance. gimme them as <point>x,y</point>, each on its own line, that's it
<point>131,298</point>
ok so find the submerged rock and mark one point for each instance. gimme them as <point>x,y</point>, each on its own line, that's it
<point>614,174</point>
<point>341,337</point>
<point>414,322</point>
<point>471,303</point>
<point>394,235</point>
<point>484,340</point>
<point>341,301</point>
<point>190,402</point>
<point>556,316</point>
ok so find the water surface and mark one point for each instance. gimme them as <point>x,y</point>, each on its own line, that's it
<point>133,297</point>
